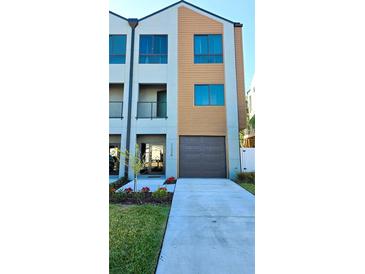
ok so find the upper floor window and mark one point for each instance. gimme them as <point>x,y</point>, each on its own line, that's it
<point>153,49</point>
<point>209,95</point>
<point>117,49</point>
<point>208,48</point>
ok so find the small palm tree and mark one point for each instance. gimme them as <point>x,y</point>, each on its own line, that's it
<point>136,162</point>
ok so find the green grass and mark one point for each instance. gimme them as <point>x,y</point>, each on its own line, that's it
<point>135,236</point>
<point>249,187</point>
<point>246,180</point>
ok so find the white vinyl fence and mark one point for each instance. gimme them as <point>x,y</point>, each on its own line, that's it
<point>247,159</point>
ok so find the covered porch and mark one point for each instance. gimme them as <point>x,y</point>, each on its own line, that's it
<point>152,151</point>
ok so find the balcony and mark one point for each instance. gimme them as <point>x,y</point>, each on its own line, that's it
<point>152,101</point>
<point>151,110</point>
<point>116,109</point>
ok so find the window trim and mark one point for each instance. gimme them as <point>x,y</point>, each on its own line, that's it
<point>153,54</point>
<point>209,105</point>
<point>208,55</point>
<point>125,53</point>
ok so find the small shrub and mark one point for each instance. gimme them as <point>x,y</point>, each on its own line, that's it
<point>145,189</point>
<point>246,177</point>
<point>160,194</point>
<point>128,190</point>
<point>118,197</point>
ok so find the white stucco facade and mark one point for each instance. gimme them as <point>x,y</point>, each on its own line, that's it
<point>163,23</point>
<point>119,74</point>
<point>231,101</point>
<point>166,22</point>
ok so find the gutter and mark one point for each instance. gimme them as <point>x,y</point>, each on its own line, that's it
<point>133,24</point>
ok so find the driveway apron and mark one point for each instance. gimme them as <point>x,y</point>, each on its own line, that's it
<point>210,230</point>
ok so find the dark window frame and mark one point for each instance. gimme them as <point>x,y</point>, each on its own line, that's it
<point>209,54</point>
<point>153,54</point>
<point>121,55</point>
<point>209,105</point>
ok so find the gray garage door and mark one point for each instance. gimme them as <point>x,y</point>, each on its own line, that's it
<point>202,157</point>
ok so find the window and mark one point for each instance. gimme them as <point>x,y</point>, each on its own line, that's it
<point>208,48</point>
<point>209,95</point>
<point>153,49</point>
<point>117,49</point>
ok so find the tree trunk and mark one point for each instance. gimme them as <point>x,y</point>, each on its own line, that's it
<point>135,184</point>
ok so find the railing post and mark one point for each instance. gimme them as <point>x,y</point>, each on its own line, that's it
<point>121,110</point>
<point>151,109</point>
<point>138,109</point>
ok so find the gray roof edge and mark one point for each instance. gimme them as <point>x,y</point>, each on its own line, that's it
<point>118,15</point>
<point>192,5</point>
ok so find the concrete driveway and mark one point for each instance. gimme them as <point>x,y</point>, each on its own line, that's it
<point>211,229</point>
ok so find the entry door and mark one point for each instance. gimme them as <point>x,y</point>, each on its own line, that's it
<point>161,104</point>
<point>202,157</point>
<point>153,156</point>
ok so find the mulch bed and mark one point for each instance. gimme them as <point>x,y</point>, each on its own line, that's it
<point>118,183</point>
<point>140,198</point>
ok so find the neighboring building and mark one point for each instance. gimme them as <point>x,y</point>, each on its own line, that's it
<point>176,89</point>
<point>249,132</point>
<point>250,96</point>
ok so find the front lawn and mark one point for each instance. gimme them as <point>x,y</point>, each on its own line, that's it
<point>135,237</point>
<point>246,180</point>
<point>249,187</point>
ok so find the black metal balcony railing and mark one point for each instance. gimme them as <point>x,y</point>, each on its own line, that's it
<point>151,110</point>
<point>116,109</point>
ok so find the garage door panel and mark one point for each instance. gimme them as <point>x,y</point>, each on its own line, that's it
<point>202,156</point>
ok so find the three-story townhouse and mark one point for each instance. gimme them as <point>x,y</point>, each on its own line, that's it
<point>177,90</point>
